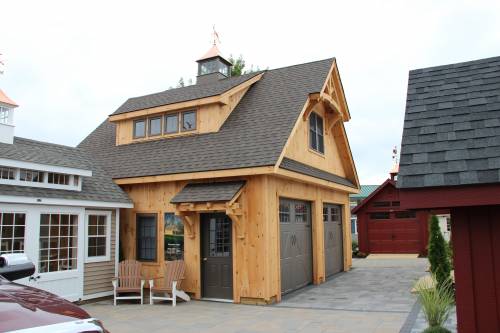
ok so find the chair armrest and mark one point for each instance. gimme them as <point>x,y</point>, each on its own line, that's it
<point>114,282</point>
<point>142,283</point>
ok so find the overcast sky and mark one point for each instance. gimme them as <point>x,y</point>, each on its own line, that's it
<point>69,64</point>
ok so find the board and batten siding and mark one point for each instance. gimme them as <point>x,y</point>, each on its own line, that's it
<point>97,276</point>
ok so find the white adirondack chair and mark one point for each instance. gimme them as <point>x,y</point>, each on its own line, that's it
<point>168,286</point>
<point>128,281</point>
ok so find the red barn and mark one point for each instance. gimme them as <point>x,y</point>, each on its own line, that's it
<point>450,158</point>
<point>385,227</point>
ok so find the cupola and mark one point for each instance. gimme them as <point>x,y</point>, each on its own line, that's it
<point>6,118</point>
<point>213,66</point>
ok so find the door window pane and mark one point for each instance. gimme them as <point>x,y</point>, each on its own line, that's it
<point>300,212</point>
<point>58,242</point>
<point>284,212</point>
<point>219,237</point>
<point>146,237</point>
<point>12,232</point>
<point>173,237</point>
<point>172,123</point>
<point>189,121</point>
<point>139,128</point>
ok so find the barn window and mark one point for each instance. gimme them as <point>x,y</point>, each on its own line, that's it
<point>316,141</point>
<point>409,214</point>
<point>396,204</point>
<point>381,204</point>
<point>380,216</point>
<point>146,237</point>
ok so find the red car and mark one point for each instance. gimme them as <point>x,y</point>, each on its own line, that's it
<point>27,309</point>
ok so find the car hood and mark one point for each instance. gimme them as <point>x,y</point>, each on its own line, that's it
<point>24,307</point>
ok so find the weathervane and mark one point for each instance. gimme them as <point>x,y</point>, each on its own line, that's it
<point>215,36</point>
<point>395,154</point>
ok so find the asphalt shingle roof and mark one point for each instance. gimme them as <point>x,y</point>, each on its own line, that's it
<point>183,94</point>
<point>292,165</point>
<point>208,192</point>
<point>254,134</point>
<point>451,132</point>
<point>99,187</point>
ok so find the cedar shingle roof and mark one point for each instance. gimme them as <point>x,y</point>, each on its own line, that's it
<point>99,187</point>
<point>208,192</point>
<point>254,134</point>
<point>451,132</point>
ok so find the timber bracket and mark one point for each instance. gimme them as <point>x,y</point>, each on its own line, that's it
<point>188,220</point>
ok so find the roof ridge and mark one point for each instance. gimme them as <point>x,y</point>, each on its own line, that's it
<point>45,142</point>
<point>301,64</point>
<point>455,65</point>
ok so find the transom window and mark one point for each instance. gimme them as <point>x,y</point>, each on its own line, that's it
<point>139,128</point>
<point>316,141</point>
<point>98,236</point>
<point>58,178</point>
<point>31,175</point>
<point>146,237</point>
<point>154,126</point>
<point>58,242</point>
<point>7,173</point>
<point>12,232</point>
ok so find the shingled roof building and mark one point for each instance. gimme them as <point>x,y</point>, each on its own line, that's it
<point>249,173</point>
<point>450,158</point>
<point>61,209</point>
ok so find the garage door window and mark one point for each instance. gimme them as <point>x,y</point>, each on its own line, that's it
<point>12,232</point>
<point>58,242</point>
<point>380,216</point>
<point>284,213</point>
<point>406,215</point>
<point>300,213</point>
<point>325,214</point>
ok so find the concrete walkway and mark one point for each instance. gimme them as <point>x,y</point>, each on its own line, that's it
<point>373,298</point>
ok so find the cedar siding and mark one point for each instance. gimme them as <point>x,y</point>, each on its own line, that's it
<point>97,275</point>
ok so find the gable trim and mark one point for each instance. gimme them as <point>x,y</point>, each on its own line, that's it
<point>374,193</point>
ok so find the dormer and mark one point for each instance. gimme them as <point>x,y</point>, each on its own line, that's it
<point>213,66</point>
<point>196,109</point>
<point>7,107</point>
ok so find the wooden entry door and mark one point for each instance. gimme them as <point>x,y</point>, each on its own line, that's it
<point>216,256</point>
<point>333,237</point>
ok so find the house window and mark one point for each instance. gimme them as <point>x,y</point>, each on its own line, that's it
<point>316,133</point>
<point>139,128</point>
<point>173,237</point>
<point>448,224</point>
<point>188,121</point>
<point>58,178</point>
<point>76,181</point>
<point>354,230</point>
<point>4,115</point>
<point>380,216</point>
<point>98,236</point>
<point>58,242</point>
<point>171,123</point>
<point>12,232</point>
<point>409,214</point>
<point>284,212</point>
<point>7,173</point>
<point>146,237</point>
<point>154,126</point>
<point>31,176</point>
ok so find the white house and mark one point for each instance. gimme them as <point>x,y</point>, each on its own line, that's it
<point>60,208</point>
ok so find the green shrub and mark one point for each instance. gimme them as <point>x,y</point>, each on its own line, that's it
<point>438,253</point>
<point>436,301</point>
<point>450,253</point>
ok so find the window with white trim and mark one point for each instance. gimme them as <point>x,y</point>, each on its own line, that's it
<point>58,242</point>
<point>4,115</point>
<point>7,173</point>
<point>12,232</point>
<point>28,175</point>
<point>58,178</point>
<point>98,236</point>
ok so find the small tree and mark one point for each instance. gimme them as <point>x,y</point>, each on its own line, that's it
<point>438,253</point>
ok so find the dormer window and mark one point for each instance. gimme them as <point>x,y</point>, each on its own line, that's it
<point>7,173</point>
<point>31,176</point>
<point>139,128</point>
<point>58,178</point>
<point>188,121</point>
<point>171,123</point>
<point>4,115</point>
<point>154,126</point>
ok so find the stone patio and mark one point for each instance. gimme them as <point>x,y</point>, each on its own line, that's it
<point>373,297</point>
